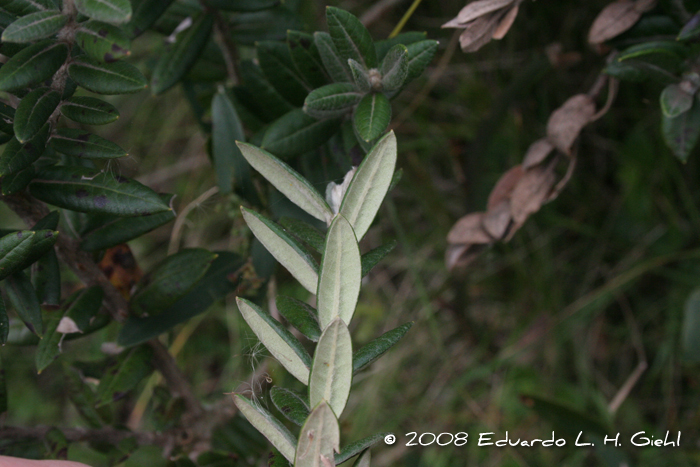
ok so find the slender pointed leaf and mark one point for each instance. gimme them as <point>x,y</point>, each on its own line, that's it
<point>7,115</point>
<point>276,63</point>
<point>405,38</point>
<point>373,257</point>
<point>32,65</point>
<point>369,185</point>
<point>18,250</point>
<point>350,37</point>
<point>334,64</point>
<point>304,232</point>
<point>331,373</point>
<point>319,438</point>
<point>360,76</point>
<point>340,274</point>
<point>296,133</point>
<point>81,143</point>
<point>353,449</point>
<point>46,278</point>
<point>420,54</point>
<point>227,129</point>
<point>287,181</point>
<point>179,58</point>
<point>332,100</point>
<point>33,112</point>
<point>280,342</point>
<point>23,299</point>
<point>306,58</point>
<point>284,248</point>
<point>372,116</point>
<point>394,68</point>
<point>268,425</point>
<point>107,78</point>
<point>103,41</point>
<point>18,156</point>
<point>144,14</point>
<point>125,374</point>
<point>258,95</point>
<point>290,404</point>
<point>89,110</point>
<point>4,331</point>
<point>50,346</point>
<point>17,181</point>
<point>371,351</point>
<point>24,7</point>
<point>109,11</point>
<point>35,26</point>
<point>300,315</point>
<point>80,309</point>
<point>84,190</point>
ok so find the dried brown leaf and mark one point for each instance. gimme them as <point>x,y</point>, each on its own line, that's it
<point>505,24</point>
<point>457,256</point>
<point>531,192</point>
<point>480,8</point>
<point>643,6</point>
<point>537,153</point>
<point>504,187</point>
<point>497,220</point>
<point>478,33</point>
<point>567,121</point>
<point>613,20</point>
<point>469,229</point>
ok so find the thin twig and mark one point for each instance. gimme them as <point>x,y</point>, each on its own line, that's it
<point>180,221</point>
<point>227,46</point>
<point>405,19</point>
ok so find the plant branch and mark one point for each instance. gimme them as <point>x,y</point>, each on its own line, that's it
<point>227,46</point>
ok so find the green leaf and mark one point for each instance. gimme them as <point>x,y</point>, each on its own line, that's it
<point>24,7</point>
<point>370,185</point>
<point>228,160</point>
<point>103,41</point>
<point>258,95</point>
<point>80,309</point>
<point>405,38</point>
<point>85,190</point>
<point>675,100</point>
<point>3,385</point>
<point>275,459</point>
<point>271,24</point>
<point>46,278</point>
<point>280,342</point>
<point>17,181</point>
<point>638,71</point>
<point>217,283</point>
<point>180,57</point>
<point>50,346</point>
<point>332,100</point>
<point>7,115</point>
<point>296,133</point>
<point>319,438</point>
<point>668,55</point>
<point>353,449</point>
<point>4,331</point>
<point>268,425</point>
<point>372,116</point>
<point>360,76</point>
<point>691,328</point>
<point>304,232</point>
<point>340,274</point>
<point>23,299</point>
<point>376,348</point>
<point>681,133</point>
<point>89,110</point>
<point>82,396</point>
<point>300,315</point>
<point>144,14</point>
<point>109,11</point>
<point>284,248</point>
<point>351,38</point>
<point>18,250</point>
<point>363,460</point>
<point>331,373</point>
<point>123,229</point>
<point>33,112</point>
<point>373,257</point>
<point>691,29</point>
<point>276,62</point>
<point>35,26</point>
<point>287,181</point>
<point>107,78</point>
<point>18,156</point>
<point>290,404</point>
<point>81,143</point>
<point>335,65</point>
<point>171,280</point>
<point>420,54</point>
<point>32,65</point>
<point>394,68</point>
<point>306,58</point>
<point>125,374</point>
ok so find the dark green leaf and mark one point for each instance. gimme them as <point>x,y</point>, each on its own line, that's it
<point>296,133</point>
<point>242,5</point>
<point>109,11</point>
<point>46,278</point>
<point>335,65</point>
<point>691,29</point>
<point>171,280</point>
<point>304,232</point>
<point>691,328</point>
<point>275,459</point>
<point>33,112</point>
<point>35,26</point>
<point>405,38</point>
<point>675,100</point>
<point>25,7</point>
<point>23,299</point>
<point>300,315</point>
<point>394,68</point>
<point>351,38</point>
<point>7,115</point>
<point>18,156</point>
<point>267,25</point>
<point>18,250</point>
<point>637,71</point>
<point>376,348</point>
<point>103,41</point>
<point>89,110</point>
<point>85,190</point>
<point>32,65</point>
<point>306,58</point>
<point>123,229</point>
<point>131,367</point>
<point>360,76</point>
<point>372,257</point>
<point>48,222</point>
<point>49,347</point>
<point>81,143</point>
<point>668,55</point>
<point>258,95</point>
<point>3,385</point>
<point>228,160</point>
<point>332,100</point>
<point>145,13</point>
<point>4,331</point>
<point>276,63</point>
<point>180,57</point>
<point>107,78</point>
<point>18,181</point>
<point>420,54</point>
<point>372,116</point>
<point>82,396</point>
<point>290,404</point>
<point>681,133</point>
<point>216,284</point>
<point>80,308</point>
<point>353,449</point>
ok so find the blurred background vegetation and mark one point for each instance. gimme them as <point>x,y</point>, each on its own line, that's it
<point>536,335</point>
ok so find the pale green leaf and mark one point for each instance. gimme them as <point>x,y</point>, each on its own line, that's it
<point>319,438</point>
<point>331,373</point>
<point>268,425</point>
